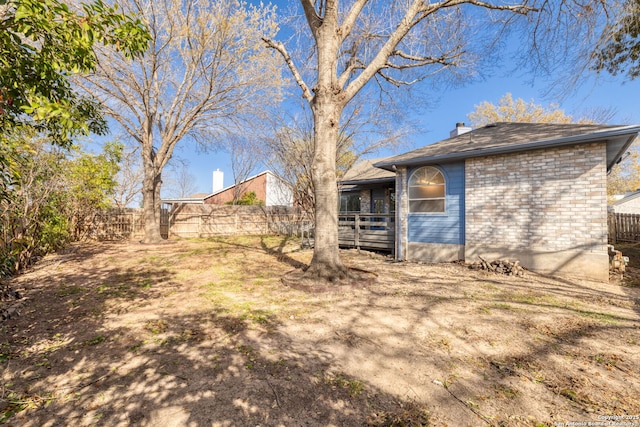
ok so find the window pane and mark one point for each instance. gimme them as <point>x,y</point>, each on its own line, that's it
<point>354,203</point>
<point>426,176</point>
<point>349,203</point>
<point>426,191</point>
<point>427,206</point>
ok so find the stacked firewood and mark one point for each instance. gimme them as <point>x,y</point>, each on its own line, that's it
<point>501,266</point>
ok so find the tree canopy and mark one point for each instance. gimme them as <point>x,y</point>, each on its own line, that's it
<point>619,49</point>
<point>206,73</point>
<point>43,42</point>
<point>509,110</point>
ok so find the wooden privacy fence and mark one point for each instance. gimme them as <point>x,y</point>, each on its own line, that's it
<point>624,227</point>
<point>368,231</point>
<point>200,221</point>
<point>117,224</point>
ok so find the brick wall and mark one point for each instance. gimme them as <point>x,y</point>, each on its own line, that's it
<point>258,185</point>
<point>365,201</point>
<point>552,199</point>
<point>546,201</point>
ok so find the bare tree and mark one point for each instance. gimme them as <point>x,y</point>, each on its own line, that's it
<point>289,148</point>
<point>129,179</point>
<point>205,72</point>
<point>390,43</point>
<point>179,181</point>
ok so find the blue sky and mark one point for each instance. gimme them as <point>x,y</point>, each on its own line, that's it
<point>453,105</point>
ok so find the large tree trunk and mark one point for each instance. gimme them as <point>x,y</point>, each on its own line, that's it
<point>327,105</point>
<point>151,206</point>
<point>326,262</point>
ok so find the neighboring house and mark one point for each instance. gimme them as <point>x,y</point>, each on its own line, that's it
<point>194,199</point>
<point>268,187</point>
<point>629,204</point>
<point>530,191</point>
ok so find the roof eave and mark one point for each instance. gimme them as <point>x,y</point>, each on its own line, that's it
<point>183,201</point>
<point>368,181</point>
<point>615,159</point>
<point>625,199</point>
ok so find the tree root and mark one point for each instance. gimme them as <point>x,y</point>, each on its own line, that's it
<point>317,282</point>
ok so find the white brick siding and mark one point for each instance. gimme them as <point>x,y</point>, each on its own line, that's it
<point>545,200</point>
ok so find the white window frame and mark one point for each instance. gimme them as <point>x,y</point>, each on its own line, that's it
<point>444,191</point>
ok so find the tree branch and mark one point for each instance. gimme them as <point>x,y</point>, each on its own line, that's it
<point>314,20</point>
<point>279,47</point>
<point>420,61</point>
<point>350,19</point>
<point>415,13</point>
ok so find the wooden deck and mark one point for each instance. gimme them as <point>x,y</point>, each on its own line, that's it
<point>367,231</point>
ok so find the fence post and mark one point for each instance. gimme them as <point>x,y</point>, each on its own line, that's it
<point>356,234</point>
<point>612,228</point>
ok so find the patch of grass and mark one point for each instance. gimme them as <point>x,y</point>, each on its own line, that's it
<point>157,326</point>
<point>66,291</point>
<point>409,415</point>
<point>502,306</point>
<point>484,310</point>
<point>116,291</point>
<point>604,317</point>
<point>249,353</point>
<point>506,391</point>
<point>352,386</point>
<point>16,403</point>
<point>94,341</point>
<point>145,284</point>
<point>134,348</point>
<point>54,343</point>
<point>260,317</point>
<point>489,286</point>
<point>608,361</point>
<point>569,394</point>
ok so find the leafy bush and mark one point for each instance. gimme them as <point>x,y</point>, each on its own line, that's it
<point>48,196</point>
<point>248,199</point>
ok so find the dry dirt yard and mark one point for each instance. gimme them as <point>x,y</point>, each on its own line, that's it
<point>205,333</point>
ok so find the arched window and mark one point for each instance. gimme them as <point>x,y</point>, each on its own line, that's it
<point>426,190</point>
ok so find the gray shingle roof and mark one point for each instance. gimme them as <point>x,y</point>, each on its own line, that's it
<point>500,138</point>
<point>364,171</point>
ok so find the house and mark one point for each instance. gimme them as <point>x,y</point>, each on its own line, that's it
<point>192,199</point>
<point>535,192</point>
<point>268,188</point>
<point>628,204</point>
<point>367,189</point>
<point>367,205</point>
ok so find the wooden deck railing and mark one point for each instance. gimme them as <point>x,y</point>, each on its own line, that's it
<point>367,231</point>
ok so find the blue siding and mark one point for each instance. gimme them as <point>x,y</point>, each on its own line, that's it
<point>447,227</point>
